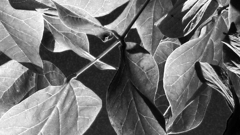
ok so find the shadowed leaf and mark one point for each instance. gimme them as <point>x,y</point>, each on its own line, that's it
<point>82,22</point>
<point>21,34</point>
<point>67,109</point>
<point>28,4</point>
<point>185,16</point>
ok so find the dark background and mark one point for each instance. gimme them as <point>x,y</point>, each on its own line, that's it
<point>97,80</point>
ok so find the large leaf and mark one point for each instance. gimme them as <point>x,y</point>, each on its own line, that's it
<point>149,33</point>
<point>21,34</point>
<point>180,80</point>
<point>17,82</point>
<point>68,109</point>
<point>81,21</point>
<point>67,39</point>
<point>161,54</point>
<point>128,112</point>
<point>185,16</point>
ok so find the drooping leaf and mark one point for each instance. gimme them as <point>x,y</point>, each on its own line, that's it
<point>21,34</point>
<point>185,16</point>
<point>68,109</point>
<point>161,54</point>
<point>149,33</point>
<point>83,22</point>
<point>67,39</point>
<point>18,83</point>
<point>215,77</point>
<point>128,112</point>
<point>180,80</point>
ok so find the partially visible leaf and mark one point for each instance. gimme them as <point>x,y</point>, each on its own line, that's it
<point>185,16</point>
<point>128,112</point>
<point>67,39</point>
<point>235,4</point>
<point>21,34</point>
<point>224,15</point>
<point>234,13</point>
<point>83,23</point>
<point>223,2</point>
<point>149,33</point>
<point>28,4</point>
<point>68,109</point>
<point>161,54</point>
<point>217,78</point>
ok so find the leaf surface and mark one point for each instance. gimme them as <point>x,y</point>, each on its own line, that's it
<point>68,109</point>
<point>129,113</point>
<point>28,4</point>
<point>82,22</point>
<point>185,16</point>
<point>67,39</point>
<point>149,33</point>
<point>21,34</point>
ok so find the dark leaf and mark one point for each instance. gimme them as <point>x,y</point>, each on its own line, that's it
<point>185,16</point>
<point>234,13</point>
<point>21,34</point>
<point>235,4</point>
<point>67,109</point>
<point>129,113</point>
<point>80,21</point>
<point>28,4</point>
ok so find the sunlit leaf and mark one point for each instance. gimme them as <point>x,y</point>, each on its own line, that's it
<point>67,39</point>
<point>180,80</point>
<point>68,109</point>
<point>83,22</point>
<point>149,33</point>
<point>17,82</point>
<point>21,34</point>
<point>129,113</point>
<point>185,16</point>
<point>161,54</point>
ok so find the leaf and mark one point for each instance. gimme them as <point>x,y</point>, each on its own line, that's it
<point>234,13</point>
<point>161,54</point>
<point>127,110</point>
<point>223,2</point>
<point>28,4</point>
<point>149,33</point>
<point>215,77</point>
<point>17,82</point>
<point>67,39</point>
<point>235,4</point>
<point>180,80</point>
<point>83,22</point>
<point>68,109</point>
<point>21,34</point>
<point>185,16</point>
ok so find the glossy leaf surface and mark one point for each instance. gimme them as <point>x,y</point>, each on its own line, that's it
<point>67,109</point>
<point>67,39</point>
<point>185,16</point>
<point>21,34</point>
<point>82,22</point>
<point>129,113</point>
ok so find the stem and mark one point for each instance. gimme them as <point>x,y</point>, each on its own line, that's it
<point>120,39</point>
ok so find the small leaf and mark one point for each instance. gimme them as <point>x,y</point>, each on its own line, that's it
<point>67,39</point>
<point>68,109</point>
<point>128,111</point>
<point>185,16</point>
<point>83,23</point>
<point>21,34</point>
<point>149,33</point>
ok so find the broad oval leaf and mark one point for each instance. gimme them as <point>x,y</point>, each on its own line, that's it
<point>68,109</point>
<point>21,34</point>
<point>185,16</point>
<point>67,39</point>
<point>149,33</point>
<point>128,112</point>
<point>83,23</point>
<point>17,82</point>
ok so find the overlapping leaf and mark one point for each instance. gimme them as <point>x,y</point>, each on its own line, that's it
<point>68,109</point>
<point>180,80</point>
<point>161,54</point>
<point>149,33</point>
<point>21,34</point>
<point>129,113</point>
<point>29,4</point>
<point>82,22</point>
<point>17,82</point>
<point>185,16</point>
<point>67,39</point>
